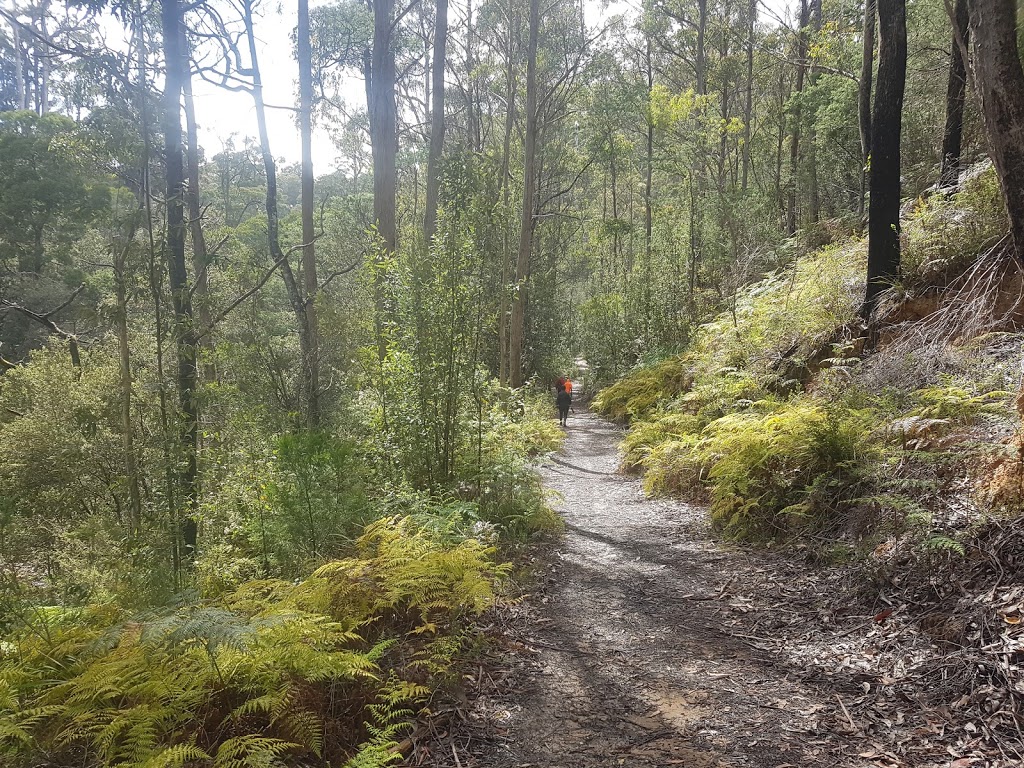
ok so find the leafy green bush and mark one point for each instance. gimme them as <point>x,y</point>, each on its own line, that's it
<point>769,470</point>
<point>639,392</point>
<point>674,467</point>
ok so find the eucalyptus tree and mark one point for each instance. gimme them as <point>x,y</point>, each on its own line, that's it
<point>886,120</point>
<point>994,27</point>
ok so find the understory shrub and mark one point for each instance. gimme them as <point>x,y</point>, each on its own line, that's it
<point>648,435</point>
<point>946,233</point>
<point>272,674</point>
<point>640,391</point>
<point>769,471</point>
<point>773,474</point>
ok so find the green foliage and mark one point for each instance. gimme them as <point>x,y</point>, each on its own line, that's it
<point>47,195</point>
<point>639,392</point>
<point>947,233</point>
<point>251,677</point>
<point>673,467</point>
<point>953,402</point>
<point>774,473</point>
<point>317,496</point>
<point>777,329</point>
<point>770,470</point>
<point>646,436</point>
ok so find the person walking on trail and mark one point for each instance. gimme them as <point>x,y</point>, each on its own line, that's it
<point>564,401</point>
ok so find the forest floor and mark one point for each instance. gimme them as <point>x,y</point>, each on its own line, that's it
<point>647,642</point>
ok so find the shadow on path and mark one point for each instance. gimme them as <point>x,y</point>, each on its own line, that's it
<point>641,658</point>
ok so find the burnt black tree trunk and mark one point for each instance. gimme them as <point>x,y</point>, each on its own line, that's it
<point>956,90</point>
<point>886,121</point>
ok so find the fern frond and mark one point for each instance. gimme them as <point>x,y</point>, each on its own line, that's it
<point>178,756</point>
<point>252,751</point>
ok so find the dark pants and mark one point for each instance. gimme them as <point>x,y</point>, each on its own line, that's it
<point>563,413</point>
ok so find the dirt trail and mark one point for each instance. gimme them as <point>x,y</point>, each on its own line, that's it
<point>641,654</point>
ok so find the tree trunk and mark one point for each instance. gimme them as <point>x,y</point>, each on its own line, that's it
<point>864,98</point>
<point>437,120</point>
<point>886,121</point>
<point>200,257</point>
<point>748,106</point>
<point>812,132</point>
<point>181,294</point>
<point>997,66</point>
<point>295,296</point>
<point>43,85</point>
<point>310,362</point>
<point>700,56</point>
<point>956,90</point>
<point>648,187</point>
<point>505,184</point>
<point>19,67</point>
<point>794,142</point>
<point>383,111</point>
<point>131,463</point>
<point>517,331</point>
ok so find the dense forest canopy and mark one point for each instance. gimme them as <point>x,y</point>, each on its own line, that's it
<point>217,368</point>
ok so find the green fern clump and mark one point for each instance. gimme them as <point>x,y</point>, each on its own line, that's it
<point>255,677</point>
<point>674,468</point>
<point>639,392</point>
<point>946,234</point>
<point>955,403</point>
<point>784,318</point>
<point>770,474</point>
<point>648,435</point>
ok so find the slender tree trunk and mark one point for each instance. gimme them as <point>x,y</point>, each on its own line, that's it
<point>956,91</point>
<point>505,183</point>
<point>517,332</point>
<point>700,55</point>
<point>181,293</point>
<point>1000,77</point>
<point>383,111</point>
<point>794,140</point>
<point>864,98</point>
<point>131,463</point>
<point>748,106</point>
<point>648,187</point>
<point>812,131</point>
<point>43,86</point>
<point>19,67</point>
<point>437,119</point>
<point>295,296</point>
<point>886,121</point>
<point>200,256</point>
<point>309,272</point>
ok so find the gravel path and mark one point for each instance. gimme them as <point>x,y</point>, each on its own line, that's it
<point>643,657</point>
